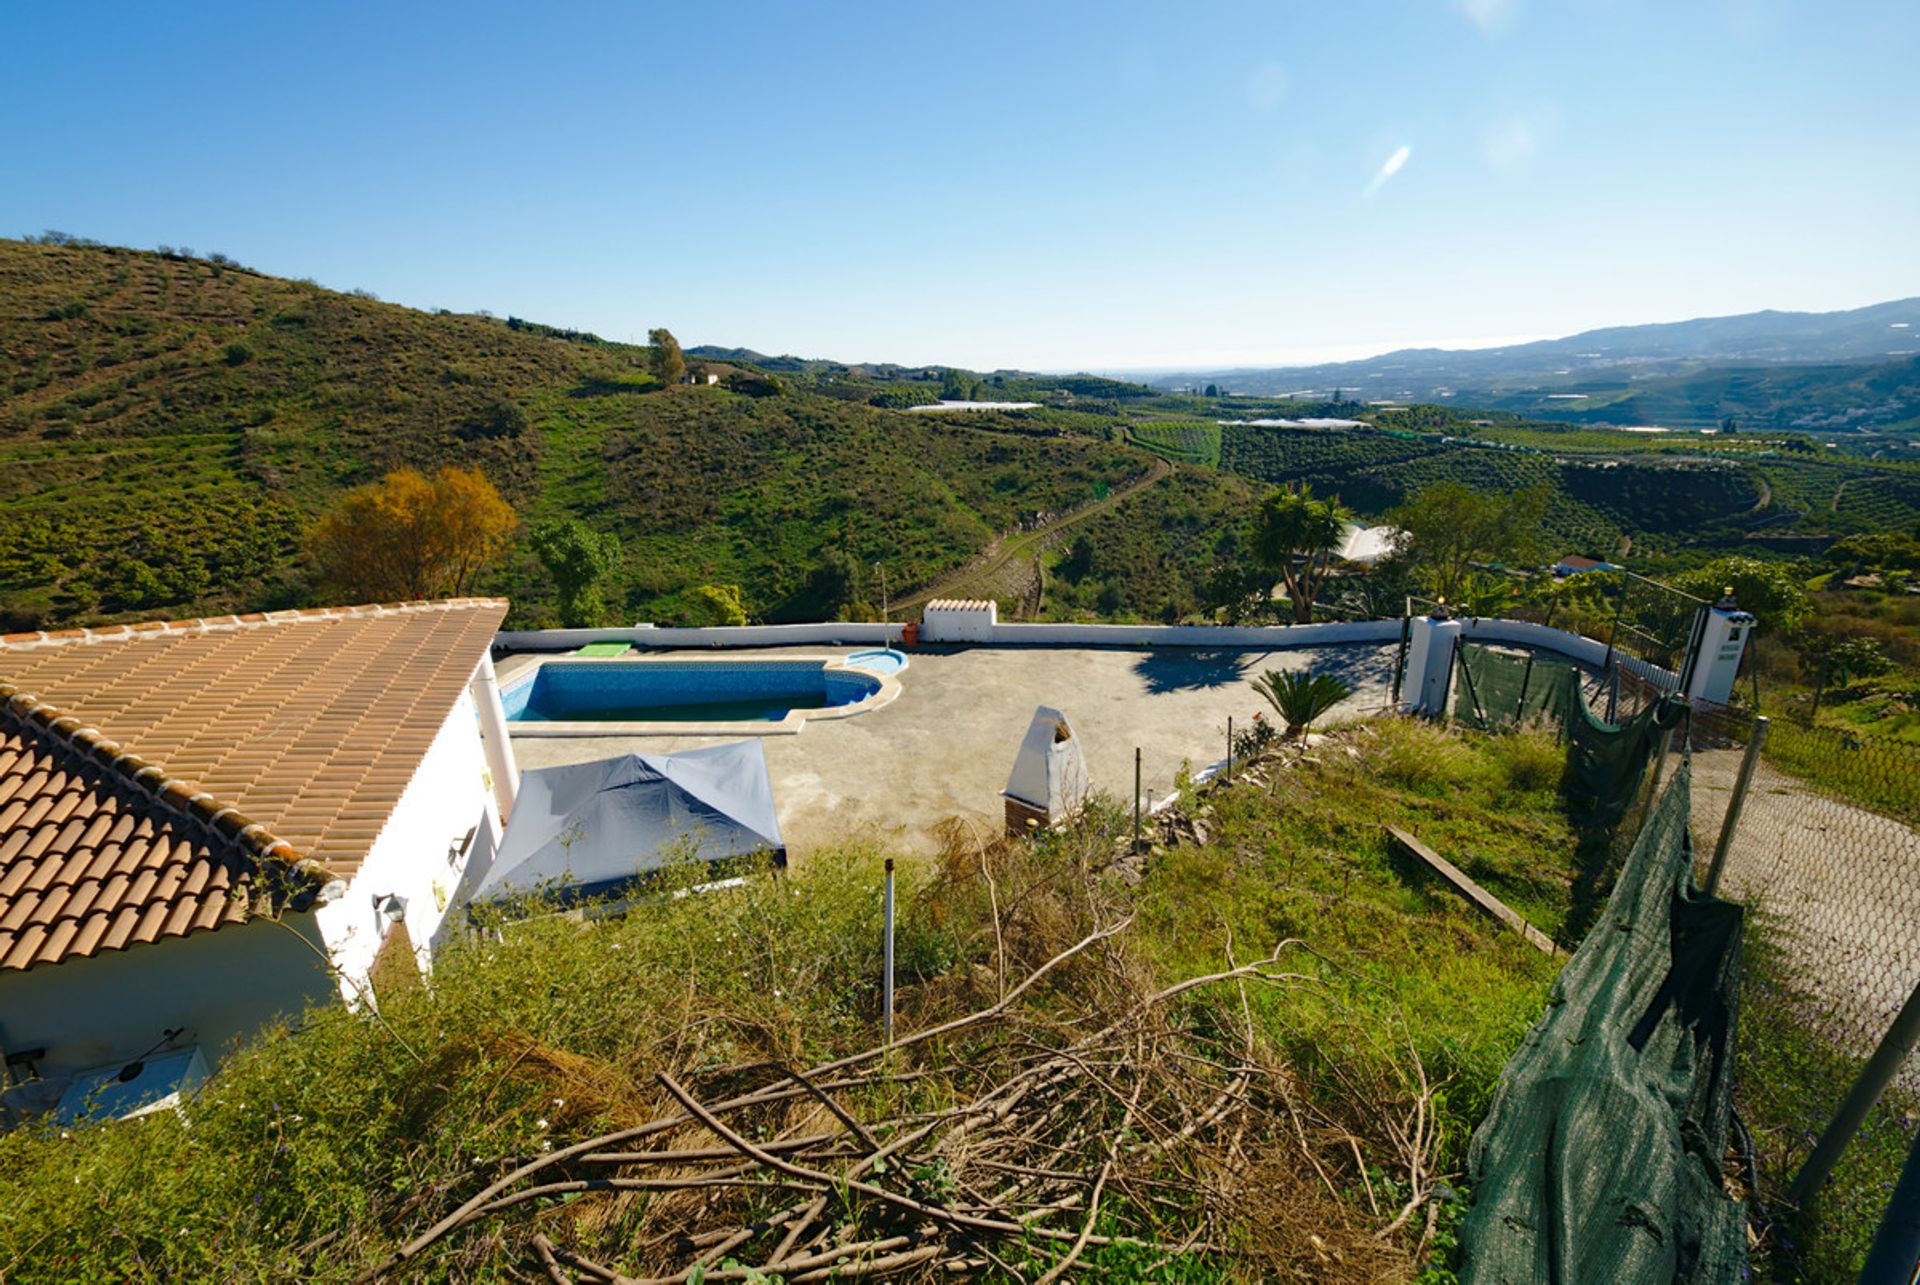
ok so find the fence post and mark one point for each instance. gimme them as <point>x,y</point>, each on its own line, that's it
<point>1446,688</point>
<point>1659,766</point>
<point>1619,610</point>
<point>1690,662</point>
<point>1136,798</point>
<point>1400,663</point>
<point>1742,783</point>
<point>1895,1256</point>
<point>1229,749</point>
<point>886,985</point>
<point>1473,689</point>
<point>1874,1078</point>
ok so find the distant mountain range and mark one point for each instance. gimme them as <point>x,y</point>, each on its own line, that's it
<point>1822,370</point>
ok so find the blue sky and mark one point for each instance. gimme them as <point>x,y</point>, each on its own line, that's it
<point>1048,185</point>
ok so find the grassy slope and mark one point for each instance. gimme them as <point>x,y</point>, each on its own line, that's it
<point>167,427</point>
<point>337,1139</point>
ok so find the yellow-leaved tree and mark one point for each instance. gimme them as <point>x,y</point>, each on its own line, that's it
<point>411,536</point>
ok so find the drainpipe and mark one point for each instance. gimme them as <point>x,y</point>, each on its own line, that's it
<point>494,741</point>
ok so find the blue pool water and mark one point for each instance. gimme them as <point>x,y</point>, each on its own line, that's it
<point>879,660</point>
<point>665,691</point>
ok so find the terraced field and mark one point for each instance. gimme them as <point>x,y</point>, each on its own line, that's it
<point>1188,441</point>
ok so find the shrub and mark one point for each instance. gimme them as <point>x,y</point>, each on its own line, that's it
<point>1299,697</point>
<point>503,418</point>
<point>578,558</point>
<point>715,604</point>
<point>237,354</point>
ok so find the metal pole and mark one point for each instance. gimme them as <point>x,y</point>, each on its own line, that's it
<point>1659,767</point>
<point>1618,611</point>
<point>1400,662</point>
<point>1895,1256</point>
<point>1136,798</point>
<point>886,985</point>
<point>1526,677</point>
<point>1697,637</point>
<point>1878,1073</point>
<point>1741,785</point>
<point>1229,749</point>
<point>1473,690</point>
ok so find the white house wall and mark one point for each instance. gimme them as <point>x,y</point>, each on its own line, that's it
<point>219,985</point>
<point>450,794</point>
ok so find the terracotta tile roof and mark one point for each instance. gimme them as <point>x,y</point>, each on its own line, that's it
<point>229,753</point>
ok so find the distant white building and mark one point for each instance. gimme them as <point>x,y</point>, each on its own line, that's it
<point>1367,545</point>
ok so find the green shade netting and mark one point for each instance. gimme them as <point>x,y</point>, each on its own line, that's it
<point>1601,1157</point>
<point>1497,690</point>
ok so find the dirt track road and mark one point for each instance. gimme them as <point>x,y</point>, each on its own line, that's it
<point>992,563</point>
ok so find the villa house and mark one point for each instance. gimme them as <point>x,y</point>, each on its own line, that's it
<point>206,824</point>
<point>1575,564</point>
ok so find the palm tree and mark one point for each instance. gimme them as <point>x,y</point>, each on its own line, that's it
<point>1294,537</point>
<point>1299,698</point>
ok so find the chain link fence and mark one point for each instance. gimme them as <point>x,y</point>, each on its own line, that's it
<point>1824,853</point>
<point>1827,853</point>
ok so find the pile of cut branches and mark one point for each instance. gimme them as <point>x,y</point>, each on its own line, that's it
<point>1078,1120</point>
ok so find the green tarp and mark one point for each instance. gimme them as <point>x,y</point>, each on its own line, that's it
<point>1601,1157</point>
<point>1496,690</point>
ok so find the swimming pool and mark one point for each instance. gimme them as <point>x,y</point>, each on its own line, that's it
<point>583,697</point>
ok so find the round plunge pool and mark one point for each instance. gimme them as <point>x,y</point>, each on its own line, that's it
<point>582,697</point>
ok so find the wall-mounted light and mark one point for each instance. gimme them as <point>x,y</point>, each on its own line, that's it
<point>458,848</point>
<point>391,907</point>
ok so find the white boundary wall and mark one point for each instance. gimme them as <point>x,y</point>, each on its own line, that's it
<point>1520,633</point>
<point>832,633</point>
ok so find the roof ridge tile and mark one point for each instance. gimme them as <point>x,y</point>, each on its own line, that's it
<point>221,624</point>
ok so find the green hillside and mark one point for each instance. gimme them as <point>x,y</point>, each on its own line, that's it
<point>168,426</point>
<point>1598,500</point>
<point>1883,397</point>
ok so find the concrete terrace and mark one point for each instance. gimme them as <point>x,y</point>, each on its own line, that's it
<point>945,746</point>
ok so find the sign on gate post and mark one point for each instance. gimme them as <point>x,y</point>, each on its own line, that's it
<point>1718,645</point>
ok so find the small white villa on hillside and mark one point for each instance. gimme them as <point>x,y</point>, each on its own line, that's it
<point>1366,545</point>
<point>195,817</point>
